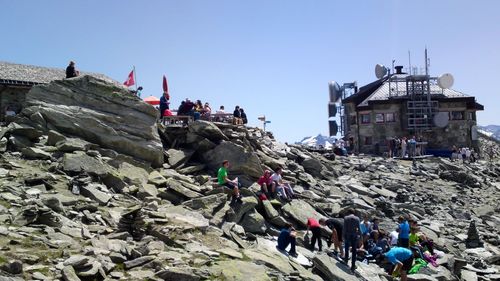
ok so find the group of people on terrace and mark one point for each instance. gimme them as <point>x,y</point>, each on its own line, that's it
<point>402,251</point>
<point>199,110</point>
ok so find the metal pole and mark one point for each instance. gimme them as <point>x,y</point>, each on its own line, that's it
<point>135,79</point>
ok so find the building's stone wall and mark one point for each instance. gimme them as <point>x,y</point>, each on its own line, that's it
<point>12,97</point>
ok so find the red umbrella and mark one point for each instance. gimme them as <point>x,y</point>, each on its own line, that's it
<point>152,100</point>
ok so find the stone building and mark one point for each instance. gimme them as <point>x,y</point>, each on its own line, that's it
<point>17,79</point>
<point>401,105</point>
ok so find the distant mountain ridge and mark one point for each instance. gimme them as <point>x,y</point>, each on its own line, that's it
<point>317,141</point>
<point>491,131</point>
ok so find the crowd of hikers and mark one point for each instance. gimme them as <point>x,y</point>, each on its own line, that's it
<point>405,147</point>
<point>402,251</point>
<point>465,154</point>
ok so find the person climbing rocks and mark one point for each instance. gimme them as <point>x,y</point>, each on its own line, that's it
<point>402,261</point>
<point>223,180</point>
<point>315,228</point>
<point>336,225</point>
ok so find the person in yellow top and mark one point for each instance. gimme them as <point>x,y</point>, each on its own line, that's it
<point>414,238</point>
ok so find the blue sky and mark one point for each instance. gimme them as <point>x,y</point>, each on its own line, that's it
<point>272,58</point>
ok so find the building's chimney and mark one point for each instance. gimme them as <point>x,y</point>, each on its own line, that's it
<point>399,69</point>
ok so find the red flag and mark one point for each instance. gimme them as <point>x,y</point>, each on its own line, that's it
<point>165,86</point>
<point>130,79</point>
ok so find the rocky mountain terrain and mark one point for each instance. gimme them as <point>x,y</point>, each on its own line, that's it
<point>92,188</point>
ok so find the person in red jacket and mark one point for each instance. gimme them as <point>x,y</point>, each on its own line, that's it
<point>315,228</point>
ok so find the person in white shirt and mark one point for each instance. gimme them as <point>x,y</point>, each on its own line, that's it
<point>283,188</point>
<point>394,235</point>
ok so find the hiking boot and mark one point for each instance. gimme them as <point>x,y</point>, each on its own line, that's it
<point>238,199</point>
<point>294,254</point>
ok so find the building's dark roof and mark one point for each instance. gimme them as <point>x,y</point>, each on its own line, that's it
<point>22,74</point>
<point>364,92</point>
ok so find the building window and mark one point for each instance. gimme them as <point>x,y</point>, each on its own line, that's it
<point>365,118</point>
<point>457,115</point>
<point>379,118</point>
<point>368,140</point>
<point>471,116</point>
<point>390,117</point>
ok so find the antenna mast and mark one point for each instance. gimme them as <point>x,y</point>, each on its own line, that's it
<point>426,62</point>
<point>409,62</point>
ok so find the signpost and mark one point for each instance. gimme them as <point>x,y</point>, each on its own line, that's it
<point>264,122</point>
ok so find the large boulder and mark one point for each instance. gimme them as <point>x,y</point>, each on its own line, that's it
<point>241,161</point>
<point>300,211</point>
<point>208,130</point>
<point>100,112</point>
<point>331,269</point>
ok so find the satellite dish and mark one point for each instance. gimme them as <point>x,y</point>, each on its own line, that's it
<point>334,128</point>
<point>441,119</point>
<point>445,81</point>
<point>332,109</point>
<point>380,71</point>
<point>334,89</point>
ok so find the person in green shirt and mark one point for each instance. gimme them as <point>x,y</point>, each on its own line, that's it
<point>223,180</point>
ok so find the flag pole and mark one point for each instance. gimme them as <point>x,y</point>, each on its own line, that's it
<point>135,79</point>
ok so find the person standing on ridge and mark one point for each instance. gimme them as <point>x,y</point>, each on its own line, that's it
<point>71,70</point>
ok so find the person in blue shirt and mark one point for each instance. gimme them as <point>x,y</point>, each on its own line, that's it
<point>402,260</point>
<point>287,237</point>
<point>404,232</point>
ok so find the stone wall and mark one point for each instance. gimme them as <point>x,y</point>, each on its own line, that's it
<point>11,96</point>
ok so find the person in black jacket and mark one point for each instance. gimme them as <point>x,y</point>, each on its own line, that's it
<point>243,116</point>
<point>71,70</point>
<point>237,116</point>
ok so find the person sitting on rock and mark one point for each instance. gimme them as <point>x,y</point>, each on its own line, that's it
<point>287,237</point>
<point>219,113</point>
<point>231,184</point>
<point>404,232</point>
<point>71,70</point>
<point>280,186</point>
<point>365,227</point>
<point>265,183</point>
<point>315,228</point>
<point>237,116</point>
<point>335,225</point>
<point>244,119</point>
<point>198,110</point>
<point>402,261</point>
<point>374,225</point>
